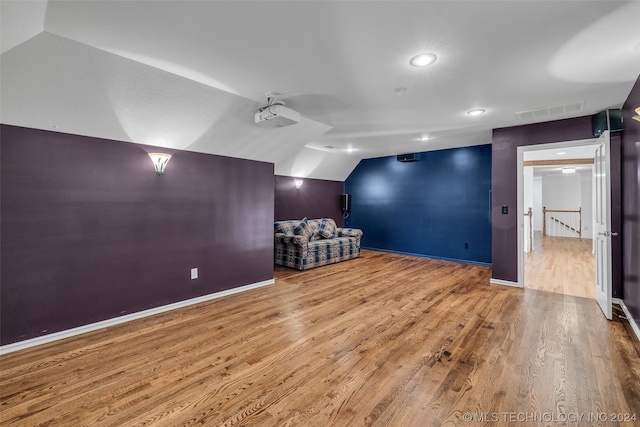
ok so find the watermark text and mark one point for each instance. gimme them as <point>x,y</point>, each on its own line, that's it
<point>549,417</point>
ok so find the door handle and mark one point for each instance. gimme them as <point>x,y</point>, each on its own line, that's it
<point>608,233</point>
<point>613,233</point>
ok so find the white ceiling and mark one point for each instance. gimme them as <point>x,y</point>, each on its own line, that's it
<point>564,153</point>
<point>575,152</point>
<point>192,73</point>
<point>540,171</point>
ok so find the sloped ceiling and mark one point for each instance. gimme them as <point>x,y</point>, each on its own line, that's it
<point>20,21</point>
<point>50,82</point>
<point>190,74</point>
<point>55,83</point>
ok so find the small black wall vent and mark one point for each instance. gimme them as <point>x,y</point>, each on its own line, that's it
<point>411,157</point>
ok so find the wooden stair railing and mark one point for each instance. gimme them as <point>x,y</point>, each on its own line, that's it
<point>568,227</point>
<point>578,231</point>
<point>530,215</point>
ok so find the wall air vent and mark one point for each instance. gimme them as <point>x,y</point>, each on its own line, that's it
<point>556,110</point>
<point>404,158</point>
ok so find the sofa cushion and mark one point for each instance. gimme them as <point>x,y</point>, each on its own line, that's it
<point>315,230</point>
<point>285,227</point>
<point>349,232</point>
<point>327,251</point>
<point>327,228</point>
<point>303,229</point>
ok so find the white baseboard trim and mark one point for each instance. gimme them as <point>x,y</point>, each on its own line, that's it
<point>459,261</point>
<point>504,282</point>
<point>630,318</point>
<point>21,345</point>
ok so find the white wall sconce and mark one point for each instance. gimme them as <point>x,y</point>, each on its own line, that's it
<point>160,161</point>
<point>637,116</point>
<point>298,183</point>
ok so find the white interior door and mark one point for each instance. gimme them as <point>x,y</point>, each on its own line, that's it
<point>602,215</point>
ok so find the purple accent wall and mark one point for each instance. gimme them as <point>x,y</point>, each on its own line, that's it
<point>317,198</point>
<point>504,189</point>
<point>631,203</point>
<point>90,232</point>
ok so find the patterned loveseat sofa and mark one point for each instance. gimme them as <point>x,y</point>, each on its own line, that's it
<point>305,244</point>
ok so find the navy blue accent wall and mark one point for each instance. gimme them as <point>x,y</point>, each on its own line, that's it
<point>431,207</point>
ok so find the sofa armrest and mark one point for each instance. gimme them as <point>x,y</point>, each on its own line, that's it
<point>349,232</point>
<point>296,240</point>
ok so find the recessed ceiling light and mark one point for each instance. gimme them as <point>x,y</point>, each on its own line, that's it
<point>350,150</point>
<point>423,59</point>
<point>424,138</point>
<point>560,153</point>
<point>476,112</point>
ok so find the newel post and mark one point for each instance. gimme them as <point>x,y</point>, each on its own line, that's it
<point>580,221</point>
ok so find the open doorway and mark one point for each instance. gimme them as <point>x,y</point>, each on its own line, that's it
<point>556,203</point>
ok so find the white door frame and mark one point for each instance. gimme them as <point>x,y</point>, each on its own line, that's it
<point>520,183</point>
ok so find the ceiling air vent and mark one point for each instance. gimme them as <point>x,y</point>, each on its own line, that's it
<point>556,110</point>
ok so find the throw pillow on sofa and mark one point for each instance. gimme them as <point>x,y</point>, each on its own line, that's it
<point>303,229</point>
<point>327,230</point>
<point>315,232</point>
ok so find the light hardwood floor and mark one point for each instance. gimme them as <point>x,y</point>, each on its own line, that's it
<point>382,340</point>
<point>562,265</point>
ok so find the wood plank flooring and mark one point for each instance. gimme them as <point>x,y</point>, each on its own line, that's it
<point>382,340</point>
<point>561,265</point>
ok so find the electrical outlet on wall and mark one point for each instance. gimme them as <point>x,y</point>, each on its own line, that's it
<point>194,273</point>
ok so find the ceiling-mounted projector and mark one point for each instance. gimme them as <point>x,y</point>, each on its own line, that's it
<point>276,116</point>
